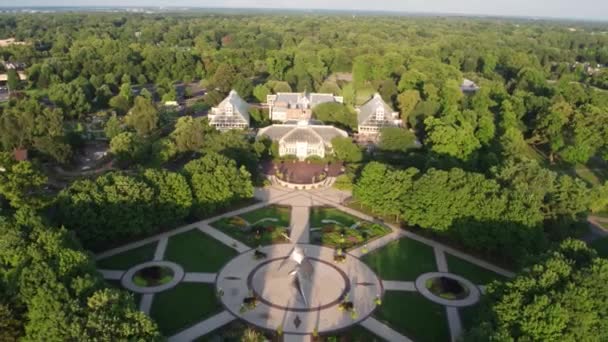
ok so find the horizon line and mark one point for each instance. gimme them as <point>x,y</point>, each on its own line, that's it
<point>356,10</point>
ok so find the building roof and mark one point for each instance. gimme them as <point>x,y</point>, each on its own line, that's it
<point>368,110</point>
<point>292,99</point>
<point>240,107</point>
<point>302,132</point>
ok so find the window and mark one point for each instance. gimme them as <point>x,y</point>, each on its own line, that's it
<point>380,113</point>
<point>229,109</point>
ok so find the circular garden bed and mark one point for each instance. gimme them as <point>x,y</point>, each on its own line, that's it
<point>153,276</point>
<point>447,288</point>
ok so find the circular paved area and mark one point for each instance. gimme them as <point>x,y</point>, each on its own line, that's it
<point>280,303</point>
<point>471,299</point>
<point>127,278</point>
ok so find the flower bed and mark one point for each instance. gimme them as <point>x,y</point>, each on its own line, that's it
<point>338,236</point>
<point>447,288</point>
<point>260,227</point>
<point>153,276</point>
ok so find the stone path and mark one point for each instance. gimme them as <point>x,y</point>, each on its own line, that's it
<point>193,277</point>
<point>203,327</point>
<point>224,238</point>
<point>146,302</point>
<point>442,263</point>
<point>454,322</point>
<point>300,225</point>
<point>383,330</point>
<point>161,247</point>
<point>391,285</point>
<point>296,338</point>
<point>111,274</point>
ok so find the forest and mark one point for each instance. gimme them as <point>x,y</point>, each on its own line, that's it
<point>509,172</point>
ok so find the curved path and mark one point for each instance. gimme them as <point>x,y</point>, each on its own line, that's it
<point>300,201</point>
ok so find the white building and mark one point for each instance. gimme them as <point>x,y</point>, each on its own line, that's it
<point>296,106</point>
<point>374,115</point>
<point>302,139</point>
<point>231,113</point>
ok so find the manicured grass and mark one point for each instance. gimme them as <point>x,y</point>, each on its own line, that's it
<point>414,316</point>
<point>476,274</point>
<point>183,306</point>
<point>601,246</point>
<point>274,211</point>
<point>468,316</point>
<point>318,214</point>
<point>128,259</point>
<point>404,259</point>
<point>261,233</point>
<point>196,251</point>
<point>355,333</point>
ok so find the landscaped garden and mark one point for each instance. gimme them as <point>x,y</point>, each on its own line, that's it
<point>196,251</point>
<point>184,305</point>
<point>404,259</point>
<point>414,316</point>
<point>337,229</point>
<point>265,226</point>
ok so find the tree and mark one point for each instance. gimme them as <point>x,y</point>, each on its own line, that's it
<point>333,113</point>
<point>224,77</point>
<point>396,139</point>
<point>550,125</point>
<point>260,92</point>
<point>125,146</point>
<point>216,183</point>
<point>120,104</point>
<point>21,183</point>
<point>452,137</point>
<point>561,298</point>
<point>173,197</point>
<point>189,133</point>
<point>143,116</point>
<point>407,102</point>
<point>345,150</point>
<point>112,127</point>
<point>12,80</point>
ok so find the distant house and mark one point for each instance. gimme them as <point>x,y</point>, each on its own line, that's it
<point>374,115</point>
<point>297,106</point>
<point>468,86</point>
<point>231,113</point>
<point>303,139</point>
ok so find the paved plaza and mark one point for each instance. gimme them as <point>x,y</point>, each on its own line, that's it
<point>314,305</point>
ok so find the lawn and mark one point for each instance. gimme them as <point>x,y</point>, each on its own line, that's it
<point>251,229</point>
<point>196,251</point>
<point>476,274</point>
<point>414,316</point>
<point>281,213</point>
<point>128,259</point>
<point>601,246</point>
<point>404,259</point>
<point>183,306</point>
<point>469,316</point>
<point>318,214</point>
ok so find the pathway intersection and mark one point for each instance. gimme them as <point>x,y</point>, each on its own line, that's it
<point>308,320</point>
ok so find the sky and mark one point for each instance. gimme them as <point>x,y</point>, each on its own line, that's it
<point>582,9</point>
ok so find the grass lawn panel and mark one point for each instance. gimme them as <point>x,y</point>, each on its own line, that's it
<point>183,306</point>
<point>403,259</point>
<point>601,246</point>
<point>468,316</point>
<point>128,259</point>
<point>318,214</point>
<point>476,274</point>
<point>196,251</point>
<point>282,213</point>
<point>414,316</point>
